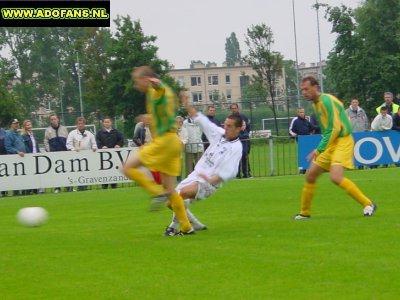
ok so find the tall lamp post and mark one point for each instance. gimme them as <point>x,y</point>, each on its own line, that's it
<point>297,60</point>
<point>79,83</point>
<point>317,5</point>
<point>60,88</point>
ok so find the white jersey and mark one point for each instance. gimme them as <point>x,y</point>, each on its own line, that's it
<point>222,157</point>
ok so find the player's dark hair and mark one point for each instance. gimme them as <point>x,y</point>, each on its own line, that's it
<point>384,108</point>
<point>237,119</point>
<point>311,80</point>
<point>233,104</point>
<point>80,119</point>
<point>107,118</point>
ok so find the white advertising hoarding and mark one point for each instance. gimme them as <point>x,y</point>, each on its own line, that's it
<point>62,169</point>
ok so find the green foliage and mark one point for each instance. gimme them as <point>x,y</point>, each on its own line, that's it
<point>266,63</point>
<point>290,77</point>
<point>9,108</point>
<point>130,48</point>
<point>365,61</point>
<point>232,50</point>
<point>45,72</point>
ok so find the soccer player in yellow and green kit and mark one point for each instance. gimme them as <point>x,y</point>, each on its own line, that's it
<point>335,151</point>
<point>163,153</point>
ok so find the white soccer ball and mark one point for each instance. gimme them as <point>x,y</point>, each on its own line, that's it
<point>32,216</point>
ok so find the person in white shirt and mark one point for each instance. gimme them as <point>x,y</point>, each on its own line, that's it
<point>182,131</point>
<point>219,163</point>
<point>80,138</point>
<point>194,147</point>
<point>383,121</point>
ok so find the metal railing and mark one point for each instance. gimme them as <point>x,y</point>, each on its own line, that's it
<point>271,156</point>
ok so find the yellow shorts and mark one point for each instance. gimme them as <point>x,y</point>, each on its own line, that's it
<point>163,154</point>
<point>340,152</point>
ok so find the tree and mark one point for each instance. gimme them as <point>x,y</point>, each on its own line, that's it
<point>9,107</point>
<point>232,50</point>
<point>266,63</point>
<point>365,61</point>
<point>130,48</point>
<point>290,78</point>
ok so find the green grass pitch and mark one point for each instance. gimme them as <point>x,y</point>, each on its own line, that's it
<point>105,245</point>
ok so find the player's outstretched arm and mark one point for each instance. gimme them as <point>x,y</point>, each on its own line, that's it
<point>185,102</point>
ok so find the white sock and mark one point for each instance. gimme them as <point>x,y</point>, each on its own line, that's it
<point>174,223</point>
<point>192,218</point>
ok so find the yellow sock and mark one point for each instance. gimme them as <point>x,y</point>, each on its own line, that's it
<point>351,188</point>
<point>306,197</point>
<point>180,211</point>
<point>144,181</point>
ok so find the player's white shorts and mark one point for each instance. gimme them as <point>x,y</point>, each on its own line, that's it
<point>205,189</point>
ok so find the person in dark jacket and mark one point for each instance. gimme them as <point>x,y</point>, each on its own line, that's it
<point>244,136</point>
<point>211,116</point>
<point>55,139</point>
<point>2,151</point>
<point>314,122</point>
<point>142,133</point>
<point>30,142</point>
<point>14,143</point>
<point>300,125</point>
<point>108,137</point>
<point>396,121</point>
<point>31,146</point>
<point>2,141</point>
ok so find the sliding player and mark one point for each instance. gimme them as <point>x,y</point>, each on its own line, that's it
<point>218,164</point>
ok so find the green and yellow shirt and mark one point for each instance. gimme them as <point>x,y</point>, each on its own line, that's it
<point>332,118</point>
<point>161,105</point>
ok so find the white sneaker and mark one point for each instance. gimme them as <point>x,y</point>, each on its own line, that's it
<point>199,226</point>
<point>299,217</point>
<point>369,210</point>
<point>158,202</point>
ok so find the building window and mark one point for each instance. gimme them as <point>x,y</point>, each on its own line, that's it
<point>213,95</point>
<point>197,97</point>
<point>181,81</point>
<point>228,95</point>
<point>244,80</point>
<point>195,80</point>
<point>213,80</point>
<point>228,79</point>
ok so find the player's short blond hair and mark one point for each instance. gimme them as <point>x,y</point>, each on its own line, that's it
<point>143,71</point>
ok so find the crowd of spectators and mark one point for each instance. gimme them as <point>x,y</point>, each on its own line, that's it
<point>21,140</point>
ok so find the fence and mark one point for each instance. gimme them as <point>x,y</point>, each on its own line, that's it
<point>271,156</point>
<point>260,113</point>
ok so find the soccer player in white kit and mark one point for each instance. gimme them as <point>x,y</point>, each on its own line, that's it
<point>218,164</point>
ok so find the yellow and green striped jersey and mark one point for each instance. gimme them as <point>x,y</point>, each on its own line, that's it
<point>161,105</point>
<point>332,119</point>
